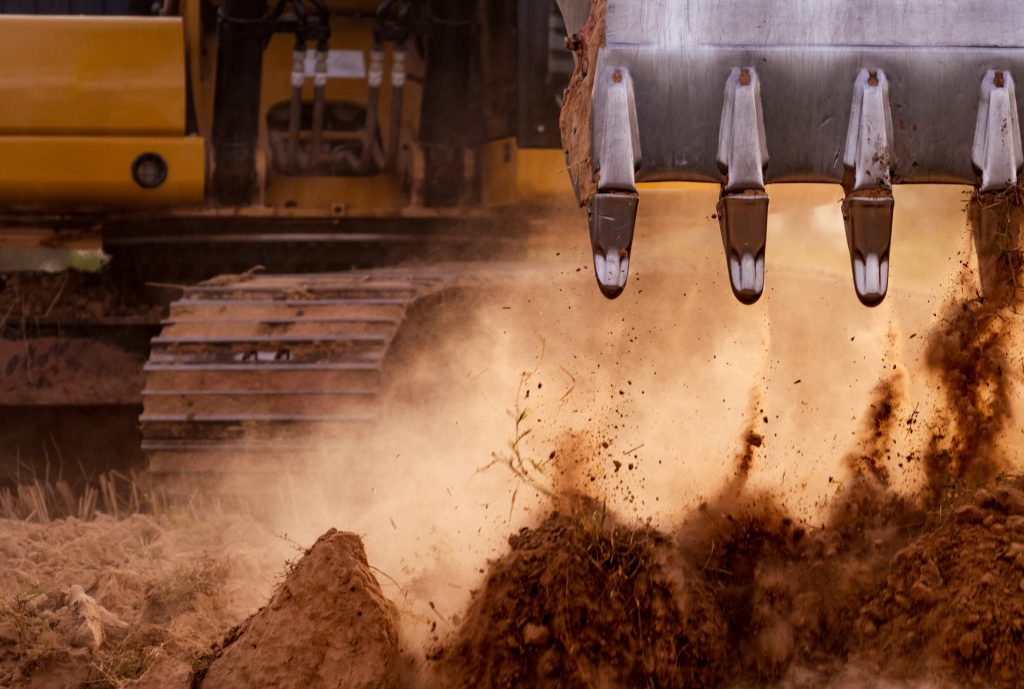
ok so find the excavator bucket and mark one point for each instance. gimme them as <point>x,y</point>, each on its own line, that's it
<point>862,93</point>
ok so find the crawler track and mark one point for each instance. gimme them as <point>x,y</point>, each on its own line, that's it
<point>249,373</point>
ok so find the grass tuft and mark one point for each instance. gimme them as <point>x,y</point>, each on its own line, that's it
<point>113,493</point>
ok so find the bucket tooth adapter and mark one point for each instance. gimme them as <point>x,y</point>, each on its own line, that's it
<point>615,158</point>
<point>649,75</point>
<point>743,206</point>
<point>997,160</point>
<point>868,206</point>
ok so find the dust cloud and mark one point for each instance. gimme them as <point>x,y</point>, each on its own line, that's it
<point>669,405</point>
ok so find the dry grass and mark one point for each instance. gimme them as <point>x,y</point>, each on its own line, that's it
<point>128,659</point>
<point>113,493</point>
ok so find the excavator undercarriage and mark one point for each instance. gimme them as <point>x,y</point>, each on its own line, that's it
<point>190,139</point>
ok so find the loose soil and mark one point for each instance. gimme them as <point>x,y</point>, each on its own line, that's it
<point>328,625</point>
<point>95,604</point>
<point>582,601</point>
<point>891,588</point>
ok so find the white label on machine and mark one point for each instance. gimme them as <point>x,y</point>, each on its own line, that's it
<point>341,64</point>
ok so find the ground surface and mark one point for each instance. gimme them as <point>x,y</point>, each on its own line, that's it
<point>96,604</point>
<point>866,534</point>
<point>887,594</point>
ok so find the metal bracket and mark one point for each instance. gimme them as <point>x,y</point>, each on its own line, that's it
<point>869,149</point>
<point>868,206</point>
<point>997,151</point>
<point>743,206</point>
<point>616,141</point>
<point>615,156</point>
<point>742,149</point>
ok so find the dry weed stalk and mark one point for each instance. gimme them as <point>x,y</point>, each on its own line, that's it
<point>113,493</point>
<point>528,470</point>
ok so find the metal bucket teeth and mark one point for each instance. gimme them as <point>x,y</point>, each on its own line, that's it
<point>743,207</point>
<point>612,217</point>
<point>869,233</point>
<point>997,151</point>
<point>653,72</point>
<point>612,209</point>
<point>868,207</point>
<point>744,221</point>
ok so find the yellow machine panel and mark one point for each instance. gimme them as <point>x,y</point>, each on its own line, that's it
<point>512,174</point>
<point>92,75</point>
<point>56,171</point>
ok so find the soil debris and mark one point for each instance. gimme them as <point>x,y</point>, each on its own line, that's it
<point>98,604</point>
<point>584,601</point>
<point>328,625</point>
<point>951,599</point>
<point>970,351</point>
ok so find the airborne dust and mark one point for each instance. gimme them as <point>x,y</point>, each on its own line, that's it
<point>804,493</point>
<point>667,490</point>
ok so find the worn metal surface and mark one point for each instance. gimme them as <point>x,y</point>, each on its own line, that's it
<point>616,153</point>
<point>612,218</point>
<point>743,219</point>
<point>964,23</point>
<point>997,146</point>
<point>869,150</point>
<point>868,220</point>
<point>575,13</point>
<point>808,54</point>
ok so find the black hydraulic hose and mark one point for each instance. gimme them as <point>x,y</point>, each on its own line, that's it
<point>319,104</point>
<point>445,123</point>
<point>374,78</point>
<point>298,81</point>
<point>319,82</point>
<point>236,105</point>
<point>397,90</point>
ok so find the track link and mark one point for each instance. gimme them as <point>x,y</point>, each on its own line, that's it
<point>251,371</point>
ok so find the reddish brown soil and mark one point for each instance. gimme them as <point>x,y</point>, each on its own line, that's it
<point>71,297</point>
<point>94,604</point>
<point>953,599</point>
<point>581,601</point>
<point>926,587</point>
<point>911,588</point>
<point>746,596</point>
<point>576,119</point>
<point>326,626</point>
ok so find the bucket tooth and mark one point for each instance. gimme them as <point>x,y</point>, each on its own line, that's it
<point>868,206</point>
<point>868,218</point>
<point>744,219</point>
<point>615,158</point>
<point>997,154</point>
<point>743,206</point>
<point>612,217</point>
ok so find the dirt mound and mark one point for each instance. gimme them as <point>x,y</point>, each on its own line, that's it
<point>327,625</point>
<point>787,591</point>
<point>953,599</point>
<point>581,601</point>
